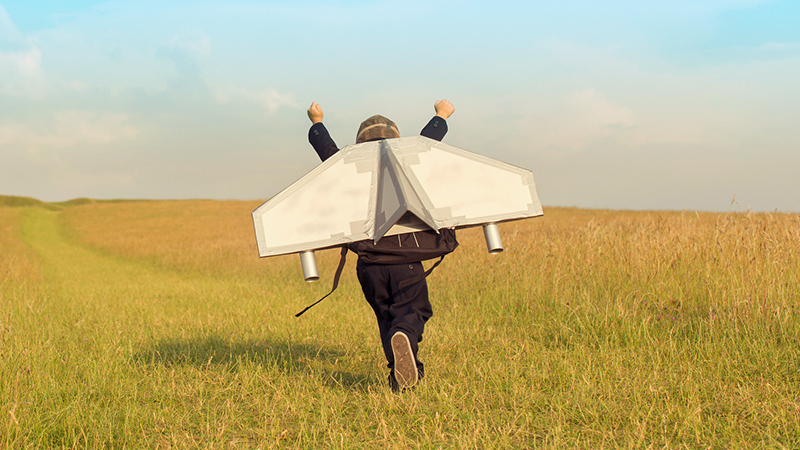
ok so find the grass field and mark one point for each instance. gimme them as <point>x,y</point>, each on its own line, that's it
<point>153,324</point>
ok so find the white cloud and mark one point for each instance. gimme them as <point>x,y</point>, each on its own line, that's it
<point>596,116</point>
<point>20,60</point>
<point>270,99</point>
<point>196,43</point>
<point>577,120</point>
<point>8,31</point>
<point>644,99</point>
<point>26,63</point>
<point>67,129</point>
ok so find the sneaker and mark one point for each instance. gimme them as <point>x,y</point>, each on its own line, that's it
<point>405,367</point>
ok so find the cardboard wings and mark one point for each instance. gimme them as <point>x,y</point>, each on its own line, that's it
<point>392,186</point>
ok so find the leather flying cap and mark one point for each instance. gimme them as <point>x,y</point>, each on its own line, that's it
<point>376,128</point>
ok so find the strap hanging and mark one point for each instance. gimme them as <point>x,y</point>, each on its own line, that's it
<point>403,284</point>
<point>342,260</point>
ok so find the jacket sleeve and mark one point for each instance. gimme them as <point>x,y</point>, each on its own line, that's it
<point>321,140</point>
<point>435,129</point>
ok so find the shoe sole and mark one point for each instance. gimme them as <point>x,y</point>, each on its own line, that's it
<point>405,367</point>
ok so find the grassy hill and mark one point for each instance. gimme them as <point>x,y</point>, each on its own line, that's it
<point>154,324</point>
<point>18,202</point>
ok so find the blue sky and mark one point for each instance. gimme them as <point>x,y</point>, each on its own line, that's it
<point>612,104</point>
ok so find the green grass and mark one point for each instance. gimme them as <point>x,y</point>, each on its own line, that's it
<point>594,329</point>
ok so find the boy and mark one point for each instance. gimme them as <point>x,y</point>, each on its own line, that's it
<point>401,312</point>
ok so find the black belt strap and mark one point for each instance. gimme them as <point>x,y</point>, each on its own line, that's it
<point>342,260</point>
<point>405,283</point>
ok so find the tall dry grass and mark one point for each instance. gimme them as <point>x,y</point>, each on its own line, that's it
<point>733,258</point>
<point>205,235</point>
<point>20,289</point>
<point>154,324</point>
<point>18,264</point>
<point>722,261</point>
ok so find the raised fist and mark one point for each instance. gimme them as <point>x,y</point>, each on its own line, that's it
<point>315,113</point>
<point>443,108</point>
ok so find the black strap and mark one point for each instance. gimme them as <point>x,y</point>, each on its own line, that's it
<point>405,283</point>
<point>342,260</point>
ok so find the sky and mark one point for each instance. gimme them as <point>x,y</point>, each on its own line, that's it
<point>643,105</point>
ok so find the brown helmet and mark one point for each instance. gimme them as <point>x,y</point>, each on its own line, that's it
<point>376,128</point>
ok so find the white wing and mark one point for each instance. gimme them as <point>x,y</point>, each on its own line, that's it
<point>376,189</point>
<point>461,188</point>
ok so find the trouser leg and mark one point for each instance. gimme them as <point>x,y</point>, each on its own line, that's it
<point>396,309</point>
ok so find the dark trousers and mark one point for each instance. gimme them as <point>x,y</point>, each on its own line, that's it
<point>404,310</point>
